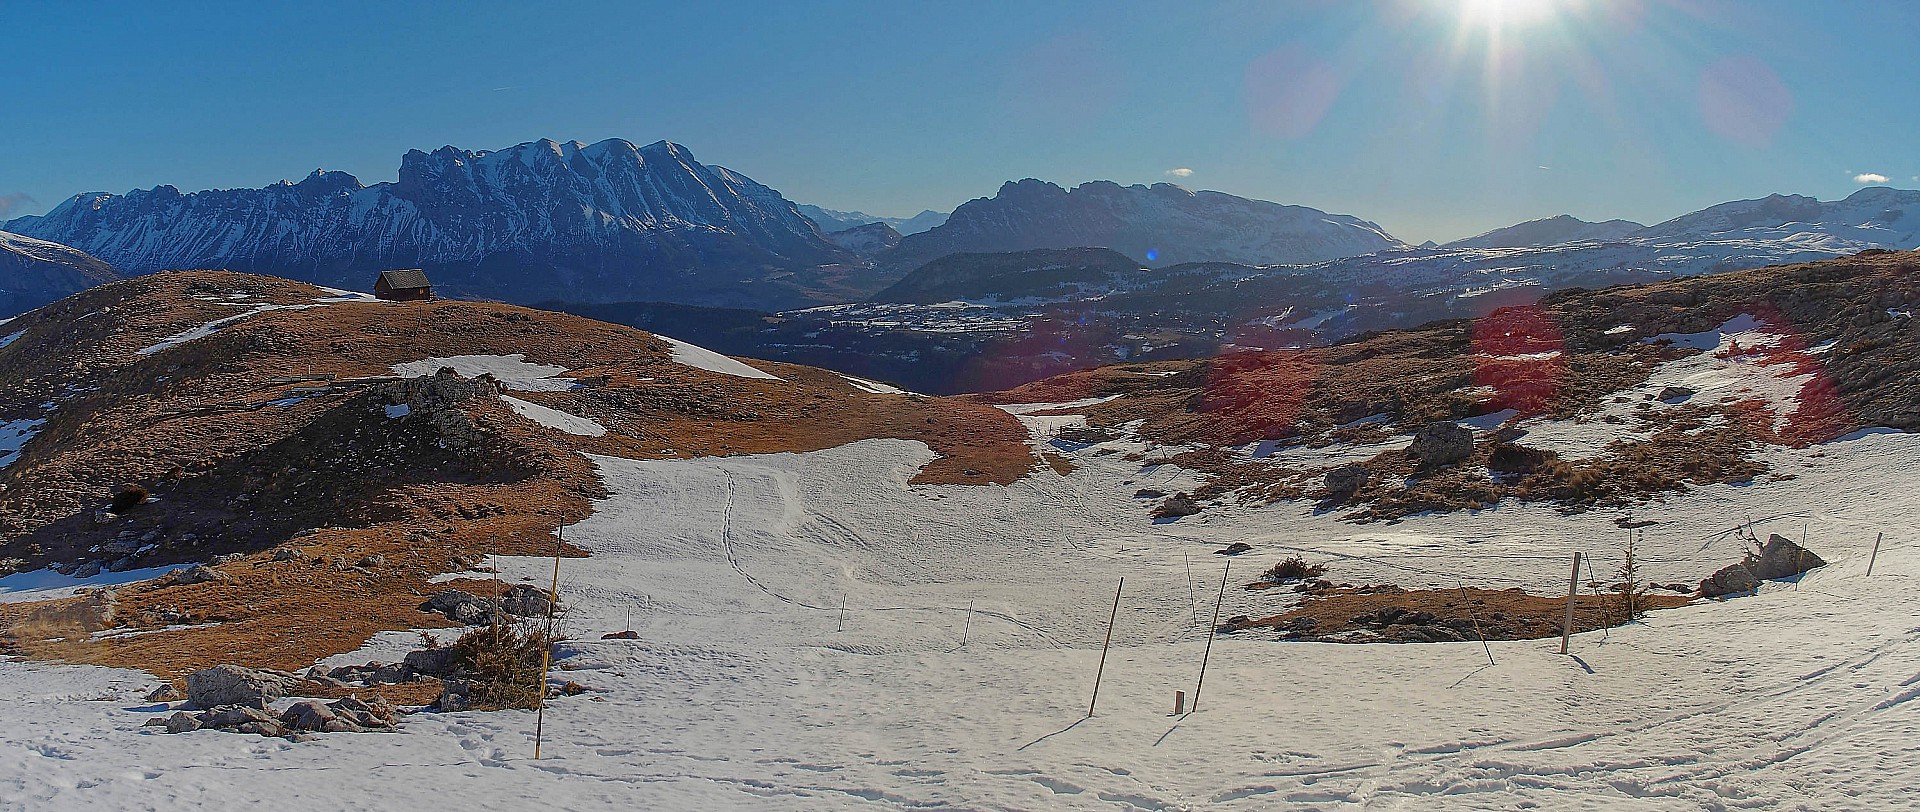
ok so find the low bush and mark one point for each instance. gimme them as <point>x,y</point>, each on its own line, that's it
<point>1293,569</point>
<point>503,661</point>
<point>128,498</point>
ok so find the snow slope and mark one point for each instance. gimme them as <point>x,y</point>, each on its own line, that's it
<point>958,672</point>
<point>703,358</point>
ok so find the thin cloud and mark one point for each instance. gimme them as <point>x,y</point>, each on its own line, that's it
<point>10,203</point>
<point>1869,177</point>
<point>1182,172</point>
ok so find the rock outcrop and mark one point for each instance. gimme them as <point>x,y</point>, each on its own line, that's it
<point>1778,558</point>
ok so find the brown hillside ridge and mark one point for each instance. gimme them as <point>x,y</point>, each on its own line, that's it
<point>1842,320</point>
<point>267,445</point>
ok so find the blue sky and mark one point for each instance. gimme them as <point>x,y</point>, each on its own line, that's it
<point>1436,118</point>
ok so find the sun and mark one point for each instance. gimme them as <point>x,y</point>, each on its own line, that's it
<point>1496,15</point>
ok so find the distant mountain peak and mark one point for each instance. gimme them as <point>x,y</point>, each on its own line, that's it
<point>1555,230</point>
<point>1161,224</point>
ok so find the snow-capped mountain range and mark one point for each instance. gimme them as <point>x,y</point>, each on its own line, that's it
<point>1162,224</point>
<point>541,220</point>
<point>35,272</point>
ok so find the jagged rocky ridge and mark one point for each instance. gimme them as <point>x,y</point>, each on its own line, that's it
<point>603,222</point>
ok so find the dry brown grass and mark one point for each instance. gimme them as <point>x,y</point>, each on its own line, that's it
<point>198,425</point>
<point>1500,614</point>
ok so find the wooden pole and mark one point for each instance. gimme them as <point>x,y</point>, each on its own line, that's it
<point>968,627</point>
<point>1192,609</point>
<point>1111,619</point>
<point>843,613</point>
<point>546,646</point>
<point>1876,553</point>
<point>1464,600</point>
<point>1179,702</point>
<point>1800,560</point>
<point>1573,589</point>
<point>1208,654</point>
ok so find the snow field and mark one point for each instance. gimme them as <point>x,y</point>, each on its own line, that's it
<point>972,627</point>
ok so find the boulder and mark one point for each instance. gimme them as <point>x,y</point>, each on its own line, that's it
<point>1235,548</point>
<point>1346,480</point>
<point>197,574</point>
<point>465,607</point>
<point>526,601</point>
<point>1442,442</point>
<point>288,554</point>
<point>1674,394</point>
<point>1175,506</point>
<point>432,662</point>
<point>1778,558</point>
<point>182,722</point>
<point>375,560</point>
<point>234,685</point>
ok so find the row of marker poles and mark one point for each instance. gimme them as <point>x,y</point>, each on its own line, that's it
<point>1179,696</point>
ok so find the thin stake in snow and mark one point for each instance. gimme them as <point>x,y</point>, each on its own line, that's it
<point>843,613</point>
<point>1800,559</point>
<point>1476,624</point>
<point>1193,602</point>
<point>1098,672</point>
<point>1876,553</point>
<point>1208,653</point>
<point>1573,590</point>
<point>546,648</point>
<point>965,629</point>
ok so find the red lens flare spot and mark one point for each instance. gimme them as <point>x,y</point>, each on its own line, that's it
<point>1518,357</point>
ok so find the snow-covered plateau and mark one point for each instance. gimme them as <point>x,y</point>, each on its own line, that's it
<point>817,633</point>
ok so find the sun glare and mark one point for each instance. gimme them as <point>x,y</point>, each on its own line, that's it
<point>1495,15</point>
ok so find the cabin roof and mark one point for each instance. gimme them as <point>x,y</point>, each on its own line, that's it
<point>404,279</point>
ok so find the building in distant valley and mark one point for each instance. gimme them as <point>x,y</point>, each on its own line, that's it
<point>410,285</point>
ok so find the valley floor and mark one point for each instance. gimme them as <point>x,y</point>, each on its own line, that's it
<point>957,675</point>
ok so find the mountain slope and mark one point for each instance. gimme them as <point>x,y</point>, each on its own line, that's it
<point>1162,224</point>
<point>542,220</point>
<point>1589,397</point>
<point>262,412</point>
<point>35,272</point>
<point>1874,217</point>
<point>1549,231</point>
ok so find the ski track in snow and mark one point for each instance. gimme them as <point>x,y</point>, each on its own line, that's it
<point>745,691</point>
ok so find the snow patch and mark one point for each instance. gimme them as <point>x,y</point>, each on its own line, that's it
<point>514,371</point>
<point>702,358</point>
<point>14,435</point>
<point>214,326</point>
<point>399,411</point>
<point>46,584</point>
<point>555,419</point>
<point>7,340</point>
<point>872,387</point>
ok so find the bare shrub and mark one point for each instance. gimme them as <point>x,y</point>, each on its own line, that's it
<point>128,498</point>
<point>1293,569</point>
<point>504,663</point>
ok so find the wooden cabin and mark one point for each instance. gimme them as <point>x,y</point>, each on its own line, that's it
<point>408,285</point>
